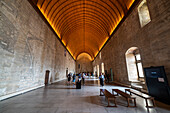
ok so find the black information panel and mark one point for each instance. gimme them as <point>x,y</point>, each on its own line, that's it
<point>157,83</point>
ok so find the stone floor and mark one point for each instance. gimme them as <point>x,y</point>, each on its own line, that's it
<point>60,98</point>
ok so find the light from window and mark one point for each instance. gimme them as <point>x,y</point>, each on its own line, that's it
<point>138,57</point>
<point>140,69</point>
<point>95,70</point>
<point>143,12</point>
<point>102,65</point>
<point>98,73</point>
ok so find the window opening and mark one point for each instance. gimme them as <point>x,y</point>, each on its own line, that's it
<point>139,65</point>
<point>98,72</point>
<point>143,11</point>
<point>134,64</point>
<point>102,65</point>
<point>95,70</point>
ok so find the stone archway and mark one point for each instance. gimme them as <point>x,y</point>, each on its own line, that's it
<point>134,68</point>
<point>134,64</point>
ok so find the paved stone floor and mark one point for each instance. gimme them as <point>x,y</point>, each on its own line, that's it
<point>60,98</point>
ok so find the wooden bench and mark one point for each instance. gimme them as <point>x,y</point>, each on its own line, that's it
<point>127,96</point>
<point>146,97</point>
<point>109,96</point>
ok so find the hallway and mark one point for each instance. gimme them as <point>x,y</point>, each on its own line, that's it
<point>60,98</point>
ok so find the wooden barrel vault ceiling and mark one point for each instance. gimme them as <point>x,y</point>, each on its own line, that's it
<point>83,26</point>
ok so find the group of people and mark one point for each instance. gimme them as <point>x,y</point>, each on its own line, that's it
<point>82,76</point>
<point>71,76</point>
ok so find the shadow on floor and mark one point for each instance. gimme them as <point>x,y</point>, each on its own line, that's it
<point>101,101</point>
<point>60,88</point>
<point>119,100</point>
<point>93,100</point>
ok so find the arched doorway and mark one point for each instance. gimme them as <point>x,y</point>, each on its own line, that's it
<point>134,66</point>
<point>84,63</point>
<point>47,77</point>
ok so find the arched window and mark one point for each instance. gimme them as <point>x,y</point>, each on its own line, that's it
<point>95,70</point>
<point>98,71</point>
<point>134,64</point>
<point>102,66</point>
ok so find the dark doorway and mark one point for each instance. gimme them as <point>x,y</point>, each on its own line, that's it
<point>157,83</point>
<point>47,77</point>
<point>66,72</point>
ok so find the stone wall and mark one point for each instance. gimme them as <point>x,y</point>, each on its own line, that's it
<point>27,49</point>
<point>85,65</point>
<point>153,41</point>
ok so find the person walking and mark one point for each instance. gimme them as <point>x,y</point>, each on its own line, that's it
<point>101,79</point>
<point>68,78</point>
<point>74,78</point>
<point>78,83</point>
<point>83,78</point>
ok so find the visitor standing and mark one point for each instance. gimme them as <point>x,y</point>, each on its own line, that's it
<point>78,83</point>
<point>101,79</point>
<point>68,78</point>
<point>83,78</point>
<point>74,78</point>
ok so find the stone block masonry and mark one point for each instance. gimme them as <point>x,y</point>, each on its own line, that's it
<point>153,41</point>
<point>28,48</point>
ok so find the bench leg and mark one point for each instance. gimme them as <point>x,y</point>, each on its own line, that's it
<point>115,102</point>
<point>135,101</point>
<point>153,102</point>
<point>128,102</point>
<point>146,102</point>
<point>109,102</point>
